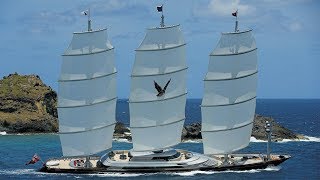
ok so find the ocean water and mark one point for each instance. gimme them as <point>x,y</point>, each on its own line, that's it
<point>301,116</point>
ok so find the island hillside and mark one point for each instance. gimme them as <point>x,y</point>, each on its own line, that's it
<point>27,105</point>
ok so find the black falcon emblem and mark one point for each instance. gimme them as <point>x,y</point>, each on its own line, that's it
<point>159,88</point>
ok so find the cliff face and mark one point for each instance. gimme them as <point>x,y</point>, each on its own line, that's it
<point>27,105</point>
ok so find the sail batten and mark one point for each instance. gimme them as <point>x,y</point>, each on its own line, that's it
<point>232,54</point>
<point>229,99</point>
<point>238,127</point>
<point>170,72</point>
<point>90,53</point>
<point>161,49</point>
<point>93,129</point>
<point>164,99</point>
<point>86,79</point>
<point>87,94</point>
<point>216,105</point>
<point>179,120</point>
<point>91,104</point>
<point>158,90</point>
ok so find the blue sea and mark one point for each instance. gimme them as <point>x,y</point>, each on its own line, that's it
<point>301,116</point>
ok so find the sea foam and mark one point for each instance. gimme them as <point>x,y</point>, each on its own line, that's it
<point>308,139</point>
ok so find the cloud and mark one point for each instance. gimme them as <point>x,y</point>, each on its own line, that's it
<point>116,7</point>
<point>295,26</point>
<point>270,15</point>
<point>224,8</point>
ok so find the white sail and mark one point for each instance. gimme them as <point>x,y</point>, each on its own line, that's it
<point>160,58</point>
<point>229,100</point>
<point>87,94</point>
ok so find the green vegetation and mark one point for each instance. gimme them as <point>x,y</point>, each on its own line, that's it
<point>27,105</point>
<point>17,86</point>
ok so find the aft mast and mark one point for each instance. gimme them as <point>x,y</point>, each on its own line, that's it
<point>229,101</point>
<point>158,89</point>
<point>87,94</point>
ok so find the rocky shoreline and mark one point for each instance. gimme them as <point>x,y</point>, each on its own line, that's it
<point>193,131</point>
<point>27,105</point>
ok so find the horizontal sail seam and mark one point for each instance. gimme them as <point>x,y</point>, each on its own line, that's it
<point>229,104</point>
<point>147,101</point>
<point>165,27</point>
<point>85,54</point>
<point>232,78</point>
<point>234,53</point>
<point>74,132</point>
<point>238,32</point>
<point>88,104</point>
<point>173,47</point>
<point>93,31</point>
<point>159,124</point>
<point>86,79</point>
<point>144,75</point>
<point>229,128</point>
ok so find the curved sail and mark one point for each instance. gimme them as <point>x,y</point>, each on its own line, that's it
<point>87,94</point>
<point>229,100</point>
<point>160,59</point>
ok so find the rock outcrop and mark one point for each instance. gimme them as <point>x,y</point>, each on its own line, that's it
<point>193,131</point>
<point>27,105</point>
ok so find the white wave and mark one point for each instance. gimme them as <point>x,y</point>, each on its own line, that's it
<point>311,139</point>
<point>192,141</point>
<point>192,173</point>
<point>308,139</point>
<point>121,140</point>
<point>115,175</point>
<point>28,134</point>
<point>3,133</point>
<point>253,139</point>
<point>21,172</point>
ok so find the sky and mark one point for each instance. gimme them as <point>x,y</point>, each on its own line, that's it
<point>35,33</point>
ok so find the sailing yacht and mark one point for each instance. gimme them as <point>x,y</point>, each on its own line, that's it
<point>87,98</point>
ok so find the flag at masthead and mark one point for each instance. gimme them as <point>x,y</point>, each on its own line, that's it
<point>87,13</point>
<point>235,14</point>
<point>160,9</point>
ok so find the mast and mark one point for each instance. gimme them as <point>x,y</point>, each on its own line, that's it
<point>89,21</point>
<point>269,133</point>
<point>87,94</point>
<point>228,104</point>
<point>157,117</point>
